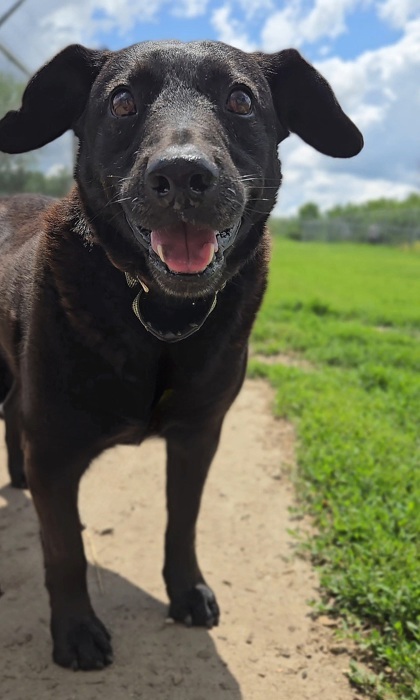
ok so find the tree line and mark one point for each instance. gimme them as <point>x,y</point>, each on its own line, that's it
<point>377,221</point>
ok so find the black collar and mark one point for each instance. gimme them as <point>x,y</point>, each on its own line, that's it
<point>170,323</point>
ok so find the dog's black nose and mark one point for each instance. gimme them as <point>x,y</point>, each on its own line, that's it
<point>184,179</point>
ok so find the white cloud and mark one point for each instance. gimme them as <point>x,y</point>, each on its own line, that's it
<point>320,187</point>
<point>327,18</point>
<point>230,30</point>
<point>399,12</point>
<point>295,26</point>
<point>302,22</point>
<point>281,30</point>
<point>189,8</point>
<point>253,7</point>
<point>380,91</point>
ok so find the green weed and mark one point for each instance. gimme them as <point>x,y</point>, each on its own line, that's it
<point>354,313</point>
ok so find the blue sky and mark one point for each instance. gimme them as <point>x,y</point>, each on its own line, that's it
<point>364,29</point>
<point>369,50</point>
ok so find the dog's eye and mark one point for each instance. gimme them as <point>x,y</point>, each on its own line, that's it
<point>239,102</point>
<point>123,104</point>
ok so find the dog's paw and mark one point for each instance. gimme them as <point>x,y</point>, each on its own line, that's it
<point>197,607</point>
<point>82,645</point>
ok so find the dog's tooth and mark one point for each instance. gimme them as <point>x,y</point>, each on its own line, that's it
<point>145,287</point>
<point>160,252</point>
<point>211,253</point>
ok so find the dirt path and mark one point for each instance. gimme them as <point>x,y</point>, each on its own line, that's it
<point>266,647</point>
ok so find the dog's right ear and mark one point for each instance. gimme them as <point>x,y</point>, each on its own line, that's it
<point>53,100</point>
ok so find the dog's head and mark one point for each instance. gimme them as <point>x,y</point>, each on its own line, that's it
<point>177,166</point>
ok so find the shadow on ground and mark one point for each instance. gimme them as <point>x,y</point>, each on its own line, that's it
<point>153,660</point>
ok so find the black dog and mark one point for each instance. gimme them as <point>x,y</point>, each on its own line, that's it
<point>127,306</point>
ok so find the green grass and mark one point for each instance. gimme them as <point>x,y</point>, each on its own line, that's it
<point>354,313</point>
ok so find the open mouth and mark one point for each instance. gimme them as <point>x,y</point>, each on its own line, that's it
<point>185,248</point>
<point>186,251</point>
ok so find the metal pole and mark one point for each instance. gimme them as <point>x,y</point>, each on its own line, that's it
<point>6,51</point>
<point>14,60</point>
<point>9,12</point>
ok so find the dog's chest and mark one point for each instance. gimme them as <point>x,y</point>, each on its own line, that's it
<point>151,393</point>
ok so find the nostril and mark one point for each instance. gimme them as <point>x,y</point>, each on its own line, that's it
<point>199,182</point>
<point>184,177</point>
<point>160,184</point>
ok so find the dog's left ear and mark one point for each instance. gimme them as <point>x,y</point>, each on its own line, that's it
<point>53,100</point>
<point>306,105</point>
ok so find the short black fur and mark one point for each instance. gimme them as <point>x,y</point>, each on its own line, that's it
<point>78,371</point>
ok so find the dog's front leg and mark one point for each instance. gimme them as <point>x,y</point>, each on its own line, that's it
<point>11,410</point>
<point>189,454</point>
<point>80,640</point>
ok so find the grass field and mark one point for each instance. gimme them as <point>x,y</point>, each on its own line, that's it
<point>353,313</point>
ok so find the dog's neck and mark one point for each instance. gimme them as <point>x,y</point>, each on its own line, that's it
<point>161,321</point>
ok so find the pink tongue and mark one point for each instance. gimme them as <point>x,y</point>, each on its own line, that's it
<point>185,248</point>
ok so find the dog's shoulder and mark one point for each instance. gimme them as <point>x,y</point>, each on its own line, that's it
<point>17,208</point>
<point>17,216</point>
